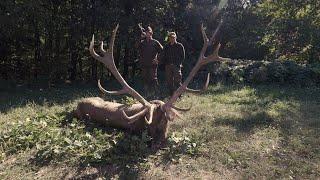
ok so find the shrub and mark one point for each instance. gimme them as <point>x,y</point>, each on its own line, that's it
<point>248,71</point>
<point>259,75</point>
<point>276,72</point>
<point>315,71</point>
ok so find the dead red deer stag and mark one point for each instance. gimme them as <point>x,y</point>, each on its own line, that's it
<point>153,115</point>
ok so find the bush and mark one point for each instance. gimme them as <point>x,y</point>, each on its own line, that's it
<point>248,71</point>
<point>315,71</point>
<point>258,74</point>
<point>276,72</point>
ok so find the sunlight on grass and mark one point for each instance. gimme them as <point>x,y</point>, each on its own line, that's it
<point>245,127</point>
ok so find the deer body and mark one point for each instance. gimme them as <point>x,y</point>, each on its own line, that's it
<point>108,113</point>
<point>111,114</point>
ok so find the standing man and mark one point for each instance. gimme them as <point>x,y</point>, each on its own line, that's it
<point>149,50</point>
<point>173,56</point>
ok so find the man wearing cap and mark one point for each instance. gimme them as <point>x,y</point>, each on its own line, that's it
<point>173,56</point>
<point>149,49</point>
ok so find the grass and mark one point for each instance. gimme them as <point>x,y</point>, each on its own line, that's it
<point>232,132</point>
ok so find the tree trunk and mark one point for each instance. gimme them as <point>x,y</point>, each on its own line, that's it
<point>72,46</point>
<point>52,43</point>
<point>125,62</point>
<point>37,50</point>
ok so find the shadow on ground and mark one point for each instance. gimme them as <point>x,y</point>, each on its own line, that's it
<point>248,123</point>
<point>20,96</point>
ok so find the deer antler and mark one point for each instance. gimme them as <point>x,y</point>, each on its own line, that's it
<point>205,87</point>
<point>202,60</point>
<point>108,60</point>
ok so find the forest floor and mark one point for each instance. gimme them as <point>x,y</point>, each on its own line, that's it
<point>231,132</point>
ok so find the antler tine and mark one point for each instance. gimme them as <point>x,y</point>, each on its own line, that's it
<point>215,32</point>
<point>122,91</point>
<point>92,51</point>
<point>151,110</point>
<point>207,82</point>
<point>134,117</point>
<point>205,42</point>
<point>181,109</point>
<point>112,39</point>
<point>102,49</point>
<point>205,87</point>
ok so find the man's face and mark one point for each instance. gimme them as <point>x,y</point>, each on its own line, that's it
<point>148,34</point>
<point>172,39</point>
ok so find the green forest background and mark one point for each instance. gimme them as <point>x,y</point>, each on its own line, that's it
<point>47,40</point>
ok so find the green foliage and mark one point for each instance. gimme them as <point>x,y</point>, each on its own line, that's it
<point>291,29</point>
<point>315,67</point>
<point>284,72</point>
<point>23,135</point>
<point>240,32</point>
<point>259,75</point>
<point>276,72</point>
<point>128,100</point>
<point>180,144</point>
<point>55,140</point>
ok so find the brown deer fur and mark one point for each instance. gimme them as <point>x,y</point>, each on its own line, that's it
<point>110,114</point>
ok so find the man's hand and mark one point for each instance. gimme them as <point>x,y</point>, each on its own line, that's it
<point>141,28</point>
<point>143,32</point>
<point>143,35</point>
